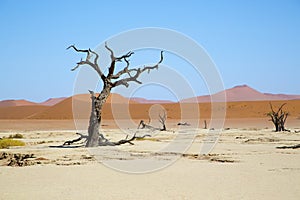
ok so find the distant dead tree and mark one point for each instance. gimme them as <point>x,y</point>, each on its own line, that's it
<point>162,120</point>
<point>110,80</point>
<point>278,118</point>
<point>143,125</point>
<point>205,124</point>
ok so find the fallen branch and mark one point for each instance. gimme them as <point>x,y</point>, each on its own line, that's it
<point>297,146</point>
<point>69,142</point>
<point>123,141</point>
<point>143,125</point>
<point>162,120</point>
<point>183,124</point>
<point>102,141</point>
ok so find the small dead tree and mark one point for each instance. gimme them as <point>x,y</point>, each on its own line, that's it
<point>143,125</point>
<point>205,124</point>
<point>110,80</point>
<point>162,120</point>
<point>278,118</point>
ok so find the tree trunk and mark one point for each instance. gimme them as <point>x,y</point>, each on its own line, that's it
<point>276,127</point>
<point>95,119</point>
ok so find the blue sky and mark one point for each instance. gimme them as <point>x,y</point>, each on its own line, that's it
<point>251,42</point>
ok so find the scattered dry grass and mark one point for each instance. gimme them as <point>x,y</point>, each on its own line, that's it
<point>17,135</point>
<point>6,143</point>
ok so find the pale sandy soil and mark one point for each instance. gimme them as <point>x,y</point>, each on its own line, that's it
<point>245,164</point>
<point>11,125</point>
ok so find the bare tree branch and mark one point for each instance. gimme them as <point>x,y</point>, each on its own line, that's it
<point>112,56</point>
<point>271,107</point>
<point>138,71</point>
<point>130,53</point>
<point>123,71</point>
<point>87,61</point>
<point>111,69</point>
<point>76,140</point>
<point>96,57</point>
<point>123,141</point>
<point>80,50</point>
<point>281,107</point>
<point>155,66</point>
<point>114,59</point>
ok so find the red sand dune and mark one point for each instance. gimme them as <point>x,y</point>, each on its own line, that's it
<point>49,102</point>
<point>82,105</point>
<point>52,101</point>
<point>20,112</point>
<point>243,93</point>
<point>117,106</point>
<point>249,109</point>
<point>22,102</point>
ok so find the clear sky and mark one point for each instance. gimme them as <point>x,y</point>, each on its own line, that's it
<point>252,42</point>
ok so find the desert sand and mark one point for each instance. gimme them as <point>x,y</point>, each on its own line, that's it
<point>244,164</point>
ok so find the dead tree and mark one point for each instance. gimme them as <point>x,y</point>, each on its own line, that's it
<point>205,124</point>
<point>143,125</point>
<point>278,118</point>
<point>110,80</point>
<point>162,120</point>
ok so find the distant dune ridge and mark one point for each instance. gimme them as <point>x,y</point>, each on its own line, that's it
<point>147,101</point>
<point>52,101</point>
<point>242,102</point>
<point>22,102</point>
<point>243,93</point>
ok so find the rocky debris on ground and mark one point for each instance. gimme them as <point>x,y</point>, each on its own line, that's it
<point>16,159</point>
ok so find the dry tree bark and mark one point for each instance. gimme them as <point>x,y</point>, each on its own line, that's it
<point>111,80</point>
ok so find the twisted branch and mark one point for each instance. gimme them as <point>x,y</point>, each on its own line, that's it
<point>138,71</point>
<point>114,59</point>
<point>281,107</point>
<point>76,140</point>
<point>87,61</point>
